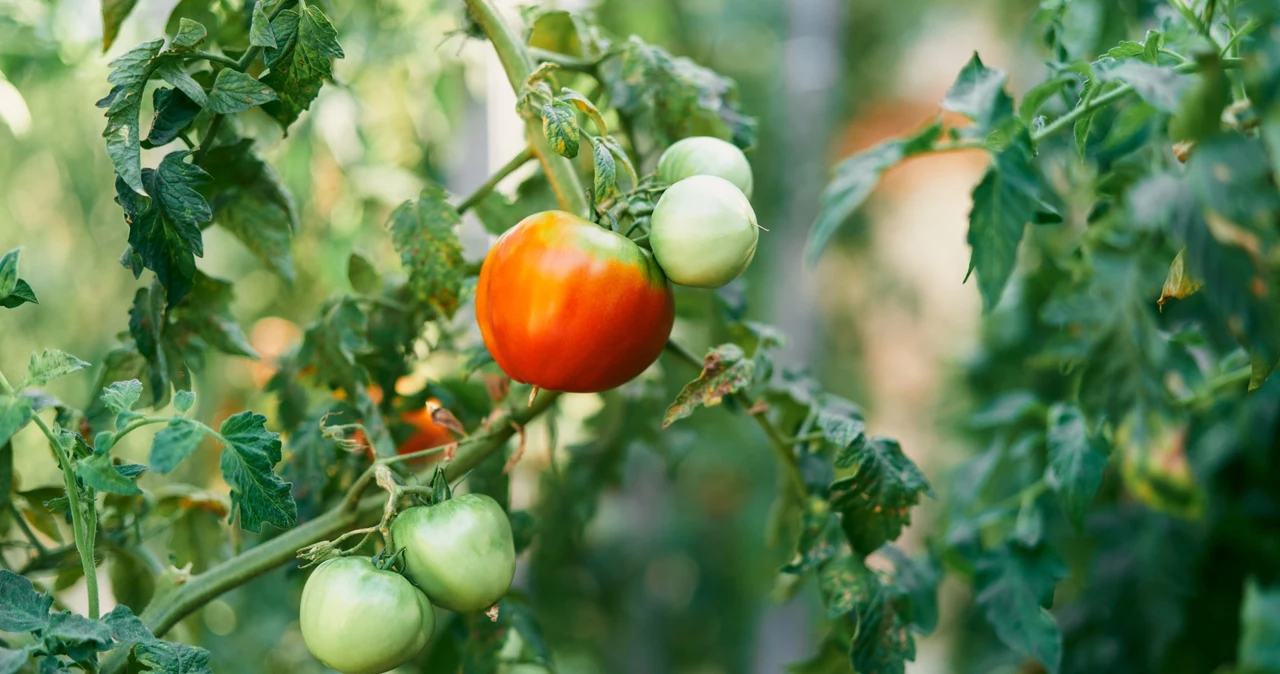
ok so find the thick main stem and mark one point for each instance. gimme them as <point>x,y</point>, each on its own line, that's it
<point>519,64</point>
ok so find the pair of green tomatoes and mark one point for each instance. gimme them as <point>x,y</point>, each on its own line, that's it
<point>703,231</point>
<point>458,555</point>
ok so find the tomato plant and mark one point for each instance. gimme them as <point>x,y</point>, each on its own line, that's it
<point>584,442</point>
<point>359,619</point>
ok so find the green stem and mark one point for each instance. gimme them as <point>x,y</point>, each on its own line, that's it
<point>139,423</point>
<point>506,170</point>
<point>519,64</point>
<point>80,520</point>
<point>26,530</point>
<point>780,444</point>
<point>217,58</point>
<point>564,61</point>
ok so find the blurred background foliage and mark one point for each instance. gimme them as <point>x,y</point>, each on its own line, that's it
<point>675,572</point>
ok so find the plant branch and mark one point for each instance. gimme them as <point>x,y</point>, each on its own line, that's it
<point>519,64</point>
<point>217,58</point>
<point>81,520</point>
<point>564,61</point>
<point>780,444</point>
<point>506,170</point>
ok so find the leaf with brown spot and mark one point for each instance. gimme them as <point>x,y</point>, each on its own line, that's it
<point>725,371</point>
<point>1179,283</point>
<point>441,416</point>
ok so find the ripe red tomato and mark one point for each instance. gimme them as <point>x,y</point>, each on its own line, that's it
<point>566,305</point>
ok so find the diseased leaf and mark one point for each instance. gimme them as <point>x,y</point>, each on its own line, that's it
<point>725,371</point>
<point>820,537</point>
<point>128,79</point>
<point>234,91</point>
<point>174,443</point>
<point>918,577</point>
<point>584,104</point>
<point>1178,284</point>
<point>249,200</point>
<point>301,60</point>
<point>257,493</point>
<point>875,501</point>
<point>882,642</point>
<point>22,609</point>
<point>1014,585</point>
<point>606,171</point>
<point>423,232</point>
<point>560,126</point>
<point>1076,464</point>
<point>51,364</point>
<point>164,228</point>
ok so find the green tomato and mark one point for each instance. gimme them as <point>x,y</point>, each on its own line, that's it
<point>705,156</point>
<point>459,552</point>
<point>359,619</point>
<point>703,232</point>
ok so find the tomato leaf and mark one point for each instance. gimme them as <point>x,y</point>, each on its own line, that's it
<point>306,44</point>
<point>234,91</point>
<point>1160,86</point>
<point>126,628</point>
<point>260,33</point>
<point>168,657</point>
<point>114,12</point>
<point>424,233</point>
<point>257,493</point>
<point>164,227</point>
<point>978,93</point>
<point>146,321</point>
<point>875,501</point>
<point>51,364</point>
<point>882,642</point>
<point>606,171</point>
<point>588,108</point>
<point>1014,584</point>
<point>249,200</point>
<point>1076,463</point>
<point>123,104</point>
<point>725,371</point>
<point>918,578</point>
<point>191,34</point>
<point>853,182</point>
<point>13,290</point>
<point>98,472</point>
<point>329,345</point>
<point>76,636</point>
<point>1003,203</point>
<point>11,661</point>
<point>174,111</point>
<point>820,537</point>
<point>173,70</point>
<point>560,126</point>
<point>206,313</point>
<point>174,443</point>
<point>22,609</point>
<point>564,33</point>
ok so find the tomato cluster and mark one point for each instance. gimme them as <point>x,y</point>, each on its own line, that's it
<point>567,305</point>
<point>458,554</point>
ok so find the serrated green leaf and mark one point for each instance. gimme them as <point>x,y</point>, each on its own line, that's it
<point>173,70</point>
<point>126,627</point>
<point>882,642</point>
<point>121,396</point>
<point>51,364</point>
<point>164,229</point>
<point>11,661</point>
<point>306,44</point>
<point>1076,464</point>
<point>918,577</point>
<point>1160,86</point>
<point>234,91</point>
<point>853,182</point>
<point>605,182</point>
<point>98,472</point>
<point>560,126</point>
<point>167,657</point>
<point>1126,49</point>
<point>1013,585</point>
<point>621,155</point>
<point>257,493</point>
<point>128,79</point>
<point>76,636</point>
<point>841,424</point>
<point>1040,94</point>
<point>820,537</point>
<point>22,609</point>
<point>174,443</point>
<point>114,12</point>
<point>183,400</point>
<point>260,34</point>
<point>1003,203</point>
<point>249,200</point>
<point>15,413</point>
<point>875,500</point>
<point>423,233</point>
<point>978,93</point>
<point>725,371</point>
<point>191,34</point>
<point>174,111</point>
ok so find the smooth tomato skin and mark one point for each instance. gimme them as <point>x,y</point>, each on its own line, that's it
<point>460,552</point>
<point>703,232</point>
<point>706,156</point>
<point>359,619</point>
<point>566,305</point>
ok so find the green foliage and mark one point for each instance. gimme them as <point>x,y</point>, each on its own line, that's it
<point>301,59</point>
<point>423,232</point>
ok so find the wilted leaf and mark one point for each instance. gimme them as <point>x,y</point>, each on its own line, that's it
<point>875,501</point>
<point>725,371</point>
<point>423,232</point>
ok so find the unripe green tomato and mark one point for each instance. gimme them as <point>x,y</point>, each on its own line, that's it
<point>706,156</point>
<point>703,232</point>
<point>359,619</point>
<point>460,552</point>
